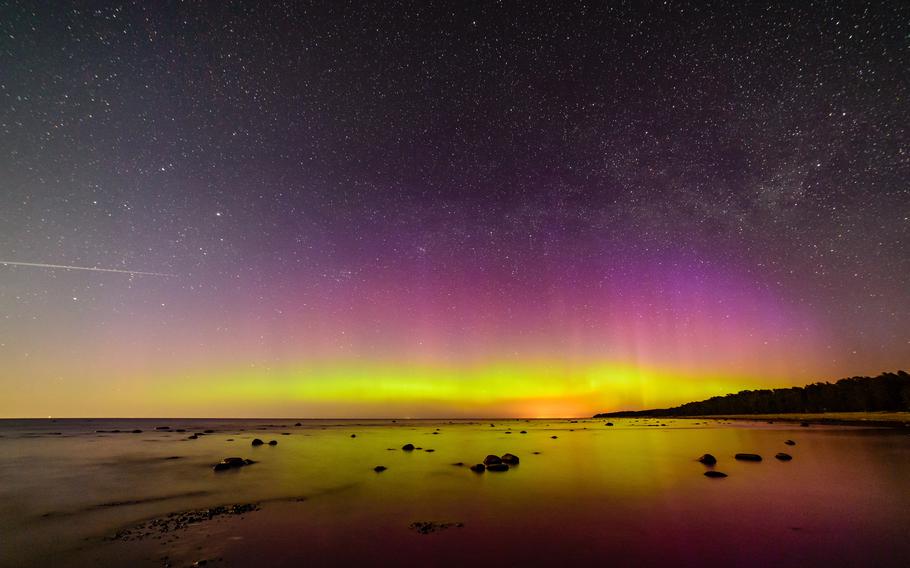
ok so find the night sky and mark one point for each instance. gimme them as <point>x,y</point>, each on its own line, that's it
<point>447,209</point>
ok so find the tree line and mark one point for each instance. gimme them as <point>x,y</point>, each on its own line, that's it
<point>886,392</point>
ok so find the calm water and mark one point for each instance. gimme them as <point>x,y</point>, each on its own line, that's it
<point>631,493</point>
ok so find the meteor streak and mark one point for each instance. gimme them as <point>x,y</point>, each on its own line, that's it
<point>88,268</point>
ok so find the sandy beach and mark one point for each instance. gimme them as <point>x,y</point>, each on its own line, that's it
<point>77,493</point>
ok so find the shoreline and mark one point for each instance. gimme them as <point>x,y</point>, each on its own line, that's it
<point>895,420</point>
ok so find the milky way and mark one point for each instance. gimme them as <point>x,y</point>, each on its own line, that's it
<point>432,209</point>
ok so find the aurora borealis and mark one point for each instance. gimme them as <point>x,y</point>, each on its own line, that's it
<point>441,210</point>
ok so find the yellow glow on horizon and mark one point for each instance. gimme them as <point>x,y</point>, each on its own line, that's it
<point>526,389</point>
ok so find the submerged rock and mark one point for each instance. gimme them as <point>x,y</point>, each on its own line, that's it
<point>510,459</point>
<point>716,474</point>
<point>790,443</point>
<point>427,527</point>
<point>478,467</point>
<point>708,459</point>
<point>783,457</point>
<point>408,447</point>
<point>748,457</point>
<point>257,442</point>
<point>231,463</point>
<point>491,459</point>
<point>498,467</point>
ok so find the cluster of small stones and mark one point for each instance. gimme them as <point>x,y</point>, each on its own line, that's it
<point>179,521</point>
<point>496,463</point>
<point>710,461</point>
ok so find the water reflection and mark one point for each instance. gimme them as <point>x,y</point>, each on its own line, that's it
<point>633,489</point>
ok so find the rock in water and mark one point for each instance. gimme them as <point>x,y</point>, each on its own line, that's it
<point>491,460</point>
<point>783,457</point>
<point>790,443</point>
<point>408,447</point>
<point>510,459</point>
<point>273,442</point>
<point>708,459</point>
<point>379,468</point>
<point>609,423</point>
<point>498,467</point>
<point>353,435</point>
<point>716,474</point>
<point>554,437</point>
<point>478,467</point>
<point>748,457</point>
<point>257,442</point>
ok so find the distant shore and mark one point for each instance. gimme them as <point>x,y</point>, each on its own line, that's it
<point>877,419</point>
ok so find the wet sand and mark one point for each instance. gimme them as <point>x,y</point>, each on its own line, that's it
<point>632,493</point>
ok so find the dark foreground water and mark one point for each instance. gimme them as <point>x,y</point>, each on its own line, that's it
<point>630,494</point>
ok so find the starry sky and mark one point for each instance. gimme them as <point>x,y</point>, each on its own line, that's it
<point>447,209</point>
